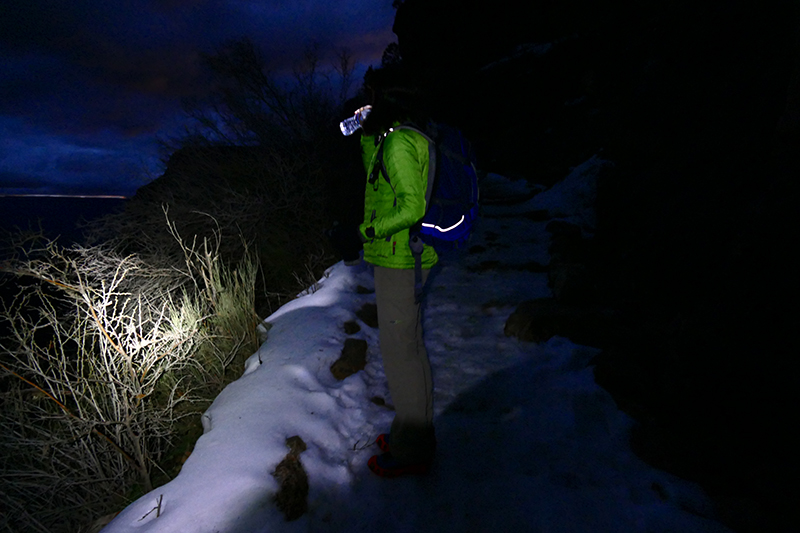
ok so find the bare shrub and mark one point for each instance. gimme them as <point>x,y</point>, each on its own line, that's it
<point>228,294</point>
<point>102,356</point>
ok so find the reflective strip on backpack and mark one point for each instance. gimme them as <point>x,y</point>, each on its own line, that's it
<point>444,230</point>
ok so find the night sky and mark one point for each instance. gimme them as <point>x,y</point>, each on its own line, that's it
<point>87,86</point>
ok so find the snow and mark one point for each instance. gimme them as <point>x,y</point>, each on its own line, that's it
<point>527,441</point>
<point>571,199</point>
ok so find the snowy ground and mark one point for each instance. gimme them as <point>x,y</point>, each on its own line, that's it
<point>527,440</point>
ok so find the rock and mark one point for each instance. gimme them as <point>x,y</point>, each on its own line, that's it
<point>378,400</point>
<point>296,445</point>
<point>351,327</point>
<point>533,321</point>
<point>353,359</point>
<point>568,276</point>
<point>538,320</point>
<point>570,282</point>
<point>368,315</point>
<point>292,497</point>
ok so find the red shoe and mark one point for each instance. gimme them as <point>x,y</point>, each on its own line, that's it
<point>385,465</point>
<point>383,442</point>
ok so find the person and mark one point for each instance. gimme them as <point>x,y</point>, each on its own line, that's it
<point>392,205</point>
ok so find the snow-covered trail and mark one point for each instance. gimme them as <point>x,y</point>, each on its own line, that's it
<point>527,441</point>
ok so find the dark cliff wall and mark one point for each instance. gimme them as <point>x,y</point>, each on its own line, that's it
<point>696,103</point>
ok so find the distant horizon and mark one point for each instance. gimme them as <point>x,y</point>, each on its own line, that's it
<point>55,215</point>
<point>89,89</point>
<point>109,196</point>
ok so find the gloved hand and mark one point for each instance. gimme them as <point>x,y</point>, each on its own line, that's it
<point>347,241</point>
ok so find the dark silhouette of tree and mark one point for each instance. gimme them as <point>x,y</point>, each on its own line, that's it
<point>250,105</point>
<point>391,56</point>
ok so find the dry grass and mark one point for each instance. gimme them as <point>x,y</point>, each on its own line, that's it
<point>103,356</point>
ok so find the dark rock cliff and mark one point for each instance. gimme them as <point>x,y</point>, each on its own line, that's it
<point>697,105</point>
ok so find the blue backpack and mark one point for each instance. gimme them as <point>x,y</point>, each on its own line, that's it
<point>451,198</point>
<point>452,195</point>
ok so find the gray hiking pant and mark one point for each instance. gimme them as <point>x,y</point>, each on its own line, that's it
<point>406,364</point>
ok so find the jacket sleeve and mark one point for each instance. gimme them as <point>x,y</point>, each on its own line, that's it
<point>406,163</point>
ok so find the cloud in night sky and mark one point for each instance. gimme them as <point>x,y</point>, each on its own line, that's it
<point>86,86</point>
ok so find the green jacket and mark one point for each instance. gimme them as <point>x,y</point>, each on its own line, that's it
<point>390,209</point>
